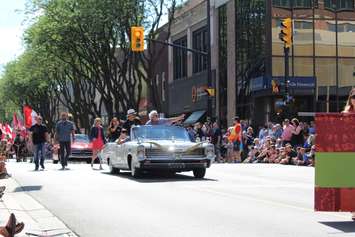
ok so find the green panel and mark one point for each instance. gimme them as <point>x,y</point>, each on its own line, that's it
<point>335,170</point>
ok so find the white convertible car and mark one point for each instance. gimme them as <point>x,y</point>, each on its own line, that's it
<point>159,148</point>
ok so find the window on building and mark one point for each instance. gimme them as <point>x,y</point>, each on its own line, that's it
<point>305,25</point>
<point>294,3</point>
<point>180,59</point>
<point>302,3</point>
<point>250,51</point>
<point>339,4</point>
<point>281,3</point>
<point>199,42</point>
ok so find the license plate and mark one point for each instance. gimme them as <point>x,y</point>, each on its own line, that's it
<point>176,166</point>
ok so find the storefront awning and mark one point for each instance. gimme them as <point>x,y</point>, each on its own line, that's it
<point>195,117</point>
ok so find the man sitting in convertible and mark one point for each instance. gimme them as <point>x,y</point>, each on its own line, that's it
<point>155,120</point>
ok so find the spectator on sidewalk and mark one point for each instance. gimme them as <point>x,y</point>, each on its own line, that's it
<point>198,132</point>
<point>64,130</point>
<point>277,131</point>
<point>216,140</point>
<point>289,155</point>
<point>287,132</point>
<point>3,170</point>
<point>235,137</point>
<point>191,132</point>
<point>312,129</point>
<point>38,137</point>
<point>297,139</point>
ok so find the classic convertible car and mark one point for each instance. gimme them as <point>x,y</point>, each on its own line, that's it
<point>159,148</point>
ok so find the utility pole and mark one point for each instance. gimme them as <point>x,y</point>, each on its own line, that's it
<point>209,70</point>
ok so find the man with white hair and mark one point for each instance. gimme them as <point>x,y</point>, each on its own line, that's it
<point>155,120</point>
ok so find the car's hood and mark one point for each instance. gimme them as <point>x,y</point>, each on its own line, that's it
<point>173,145</point>
<point>81,145</point>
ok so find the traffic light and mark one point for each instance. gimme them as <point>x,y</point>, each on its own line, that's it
<point>137,39</point>
<point>286,32</point>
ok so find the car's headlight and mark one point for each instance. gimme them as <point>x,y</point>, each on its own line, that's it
<point>209,150</point>
<point>141,151</point>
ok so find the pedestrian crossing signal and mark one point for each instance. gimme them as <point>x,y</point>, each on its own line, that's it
<point>137,39</point>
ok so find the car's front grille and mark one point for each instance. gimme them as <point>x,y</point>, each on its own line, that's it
<point>81,152</point>
<point>157,153</point>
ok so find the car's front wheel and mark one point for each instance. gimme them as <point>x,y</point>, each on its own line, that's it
<point>135,172</point>
<point>199,173</point>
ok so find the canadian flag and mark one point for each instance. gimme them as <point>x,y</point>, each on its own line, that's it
<point>30,116</point>
<point>8,131</point>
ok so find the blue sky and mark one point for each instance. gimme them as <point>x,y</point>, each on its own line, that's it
<point>11,28</point>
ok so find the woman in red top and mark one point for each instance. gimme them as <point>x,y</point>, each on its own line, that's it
<point>98,140</point>
<point>350,108</point>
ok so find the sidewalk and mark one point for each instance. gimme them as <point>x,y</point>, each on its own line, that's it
<point>38,220</point>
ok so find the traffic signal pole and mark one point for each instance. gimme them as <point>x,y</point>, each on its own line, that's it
<point>209,71</point>
<point>286,35</point>
<point>287,73</point>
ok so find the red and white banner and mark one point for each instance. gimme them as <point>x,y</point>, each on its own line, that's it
<point>29,116</point>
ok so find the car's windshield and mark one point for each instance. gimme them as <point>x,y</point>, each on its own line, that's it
<point>160,133</point>
<point>81,138</point>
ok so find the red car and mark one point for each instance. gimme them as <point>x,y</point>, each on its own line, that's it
<point>81,148</point>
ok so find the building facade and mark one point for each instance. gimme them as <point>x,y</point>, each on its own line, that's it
<point>248,58</point>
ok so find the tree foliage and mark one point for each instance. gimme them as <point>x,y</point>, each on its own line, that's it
<point>78,55</point>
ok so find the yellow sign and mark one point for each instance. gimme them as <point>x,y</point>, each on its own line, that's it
<point>211,92</point>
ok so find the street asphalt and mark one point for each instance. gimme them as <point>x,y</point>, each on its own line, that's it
<point>233,200</point>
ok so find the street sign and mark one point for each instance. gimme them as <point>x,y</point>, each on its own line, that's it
<point>211,92</point>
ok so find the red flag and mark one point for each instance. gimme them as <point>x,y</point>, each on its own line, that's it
<point>15,121</point>
<point>29,116</point>
<point>8,131</point>
<point>2,130</point>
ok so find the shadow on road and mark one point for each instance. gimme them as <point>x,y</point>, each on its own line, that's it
<point>158,177</point>
<point>345,226</point>
<point>27,188</point>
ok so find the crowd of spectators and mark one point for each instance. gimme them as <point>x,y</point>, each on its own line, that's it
<point>291,143</point>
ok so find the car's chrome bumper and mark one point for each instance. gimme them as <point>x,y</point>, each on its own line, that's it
<point>178,165</point>
<point>80,156</point>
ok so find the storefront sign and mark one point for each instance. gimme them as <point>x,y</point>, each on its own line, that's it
<point>198,92</point>
<point>261,83</point>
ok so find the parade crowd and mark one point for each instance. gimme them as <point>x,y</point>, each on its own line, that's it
<point>291,142</point>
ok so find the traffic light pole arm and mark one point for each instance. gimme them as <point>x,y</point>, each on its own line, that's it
<point>178,46</point>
